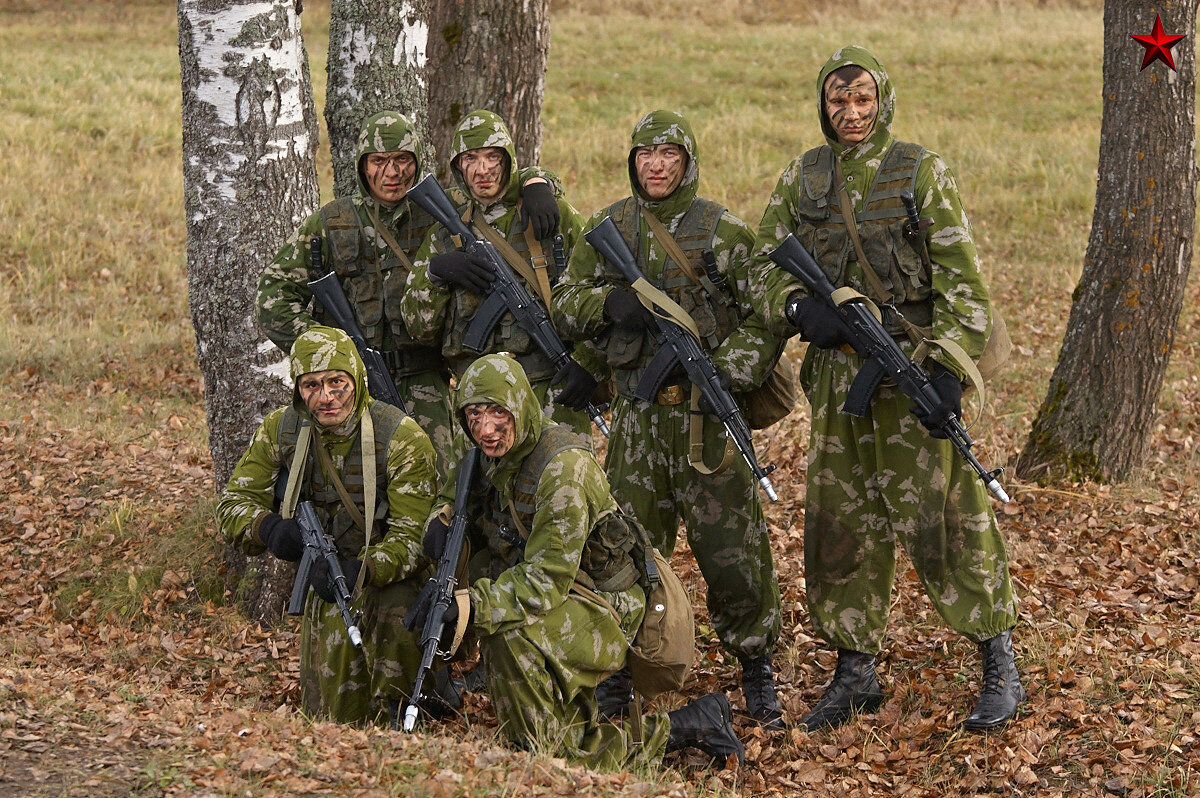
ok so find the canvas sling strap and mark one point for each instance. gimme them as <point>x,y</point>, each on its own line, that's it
<point>924,344</point>
<point>389,239</point>
<point>535,275</point>
<point>664,307</point>
<point>462,597</point>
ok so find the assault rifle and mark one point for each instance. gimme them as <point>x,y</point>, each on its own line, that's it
<point>328,291</point>
<point>882,356</point>
<point>445,577</point>
<point>507,294</point>
<point>678,346</point>
<point>316,544</point>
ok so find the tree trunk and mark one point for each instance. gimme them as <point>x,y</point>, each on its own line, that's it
<point>377,52</point>
<point>489,54</point>
<point>1096,419</point>
<point>249,140</point>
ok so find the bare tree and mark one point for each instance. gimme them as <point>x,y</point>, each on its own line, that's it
<point>249,140</point>
<point>489,54</point>
<point>1096,419</point>
<point>377,53</point>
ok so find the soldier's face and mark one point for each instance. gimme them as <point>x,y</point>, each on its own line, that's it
<point>328,395</point>
<point>485,172</point>
<point>660,169</point>
<point>852,107</point>
<point>492,427</point>
<point>390,175</point>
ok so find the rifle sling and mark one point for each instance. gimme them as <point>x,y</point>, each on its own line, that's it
<point>357,516</point>
<point>387,236</point>
<point>534,277</point>
<point>675,253</point>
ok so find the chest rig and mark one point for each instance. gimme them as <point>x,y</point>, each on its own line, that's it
<point>903,269</point>
<point>316,486</point>
<point>710,302</point>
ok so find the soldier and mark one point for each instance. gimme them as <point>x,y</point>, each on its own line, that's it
<point>330,417</point>
<point>555,544</point>
<point>447,284</point>
<point>876,480</point>
<point>647,463</point>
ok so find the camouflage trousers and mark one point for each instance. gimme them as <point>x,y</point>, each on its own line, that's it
<point>650,476</point>
<point>427,399</point>
<point>542,679</point>
<point>350,686</point>
<point>877,481</point>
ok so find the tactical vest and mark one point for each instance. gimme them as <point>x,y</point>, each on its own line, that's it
<point>902,269</point>
<point>608,555</point>
<point>374,285</point>
<point>628,353</point>
<point>316,487</point>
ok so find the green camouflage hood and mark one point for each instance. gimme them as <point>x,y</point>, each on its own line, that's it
<point>667,127</point>
<point>480,129</point>
<point>500,379</point>
<point>323,349</point>
<point>387,131</point>
<point>859,56</point>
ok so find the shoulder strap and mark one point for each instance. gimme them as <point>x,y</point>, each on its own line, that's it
<point>296,468</point>
<point>389,239</point>
<point>514,259</point>
<point>537,257</point>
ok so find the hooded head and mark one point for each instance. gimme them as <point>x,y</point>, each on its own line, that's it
<point>499,379</point>
<point>886,96</point>
<point>666,127</point>
<point>328,349</point>
<point>477,130</point>
<point>387,131</point>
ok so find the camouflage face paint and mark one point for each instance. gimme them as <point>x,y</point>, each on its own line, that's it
<point>485,171</point>
<point>660,169</point>
<point>389,175</point>
<point>852,107</point>
<point>492,427</point>
<point>328,395</point>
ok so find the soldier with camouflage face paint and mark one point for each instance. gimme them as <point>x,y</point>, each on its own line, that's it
<point>883,479</point>
<point>647,461</point>
<point>330,399</point>
<point>521,216</point>
<point>563,595</point>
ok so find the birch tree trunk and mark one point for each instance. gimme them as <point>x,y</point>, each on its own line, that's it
<point>489,54</point>
<point>1099,411</point>
<point>376,63</point>
<point>249,140</point>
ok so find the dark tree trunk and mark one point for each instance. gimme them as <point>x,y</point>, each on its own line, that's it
<point>1099,411</point>
<point>377,55</point>
<point>249,140</point>
<point>489,54</point>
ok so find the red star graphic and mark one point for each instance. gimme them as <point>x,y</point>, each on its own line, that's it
<point>1158,45</point>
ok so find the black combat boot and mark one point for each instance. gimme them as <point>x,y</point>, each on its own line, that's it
<point>758,685</point>
<point>1002,692</point>
<point>707,724</point>
<point>614,695</point>
<point>854,689</point>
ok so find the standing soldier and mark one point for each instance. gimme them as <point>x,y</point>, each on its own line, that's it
<point>648,464</point>
<point>447,284</point>
<point>319,442</point>
<point>881,479</point>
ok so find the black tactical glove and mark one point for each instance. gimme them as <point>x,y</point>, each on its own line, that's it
<point>726,383</point>
<point>949,390</point>
<point>418,614</point>
<point>435,539</point>
<point>540,209</point>
<point>816,321</point>
<point>578,385</point>
<point>471,271</point>
<point>322,580</point>
<point>282,537</point>
<point>626,310</point>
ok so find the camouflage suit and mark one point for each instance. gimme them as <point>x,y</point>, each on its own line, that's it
<point>546,646</point>
<point>647,454</point>
<point>438,314</point>
<point>335,678</point>
<point>876,481</point>
<point>373,276</point>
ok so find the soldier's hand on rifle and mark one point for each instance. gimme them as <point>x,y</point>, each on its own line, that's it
<point>578,385</point>
<point>626,311</point>
<point>816,321</point>
<point>435,539</point>
<point>323,582</point>
<point>418,613</point>
<point>726,383</point>
<point>282,537</point>
<point>471,271</point>
<point>949,391</point>
<point>540,208</point>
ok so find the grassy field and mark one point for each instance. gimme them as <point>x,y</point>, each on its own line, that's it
<point>124,669</point>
